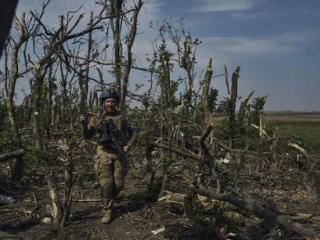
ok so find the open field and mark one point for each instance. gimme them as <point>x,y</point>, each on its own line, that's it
<point>292,117</point>
<point>301,127</point>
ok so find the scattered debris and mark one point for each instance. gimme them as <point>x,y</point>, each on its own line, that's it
<point>46,220</point>
<point>160,230</point>
<point>231,236</point>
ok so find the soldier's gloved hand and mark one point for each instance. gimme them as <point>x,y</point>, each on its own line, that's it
<point>125,148</point>
<point>84,119</point>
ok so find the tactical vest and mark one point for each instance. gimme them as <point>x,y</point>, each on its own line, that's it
<point>116,127</point>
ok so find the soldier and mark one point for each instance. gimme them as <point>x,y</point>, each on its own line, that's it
<point>113,134</point>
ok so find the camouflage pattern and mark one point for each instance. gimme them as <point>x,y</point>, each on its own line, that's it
<point>109,164</point>
<point>110,171</point>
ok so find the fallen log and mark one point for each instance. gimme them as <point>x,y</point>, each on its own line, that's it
<point>300,149</point>
<point>261,211</point>
<point>172,197</point>
<point>228,211</point>
<point>7,156</point>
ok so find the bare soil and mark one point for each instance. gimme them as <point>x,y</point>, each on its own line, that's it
<point>293,193</point>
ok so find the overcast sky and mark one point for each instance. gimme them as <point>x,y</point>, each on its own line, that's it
<point>276,42</point>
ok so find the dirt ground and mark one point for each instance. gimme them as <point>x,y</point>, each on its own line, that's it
<point>136,216</point>
<point>293,191</point>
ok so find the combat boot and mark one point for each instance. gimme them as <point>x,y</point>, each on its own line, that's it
<point>107,217</point>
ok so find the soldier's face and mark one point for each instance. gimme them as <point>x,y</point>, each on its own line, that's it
<point>110,104</point>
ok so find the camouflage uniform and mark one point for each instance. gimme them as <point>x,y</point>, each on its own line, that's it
<point>110,161</point>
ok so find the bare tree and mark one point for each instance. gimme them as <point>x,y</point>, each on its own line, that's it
<point>12,77</point>
<point>233,101</point>
<point>25,29</point>
<point>129,60</point>
<point>123,22</point>
<point>52,49</point>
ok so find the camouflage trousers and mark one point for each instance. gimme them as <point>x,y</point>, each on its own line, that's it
<point>110,171</point>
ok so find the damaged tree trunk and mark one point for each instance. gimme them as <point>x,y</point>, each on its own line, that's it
<point>173,197</point>
<point>260,211</point>
<point>243,107</point>
<point>84,74</point>
<point>205,91</point>
<point>233,100</point>
<point>116,23</point>
<point>15,74</point>
<point>69,180</point>
<point>7,11</point>
<point>274,147</point>
<point>129,41</point>
<point>57,209</point>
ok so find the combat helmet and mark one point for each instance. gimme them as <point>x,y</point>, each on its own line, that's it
<point>109,94</point>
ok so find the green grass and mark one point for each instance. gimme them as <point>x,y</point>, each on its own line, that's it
<point>307,133</point>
